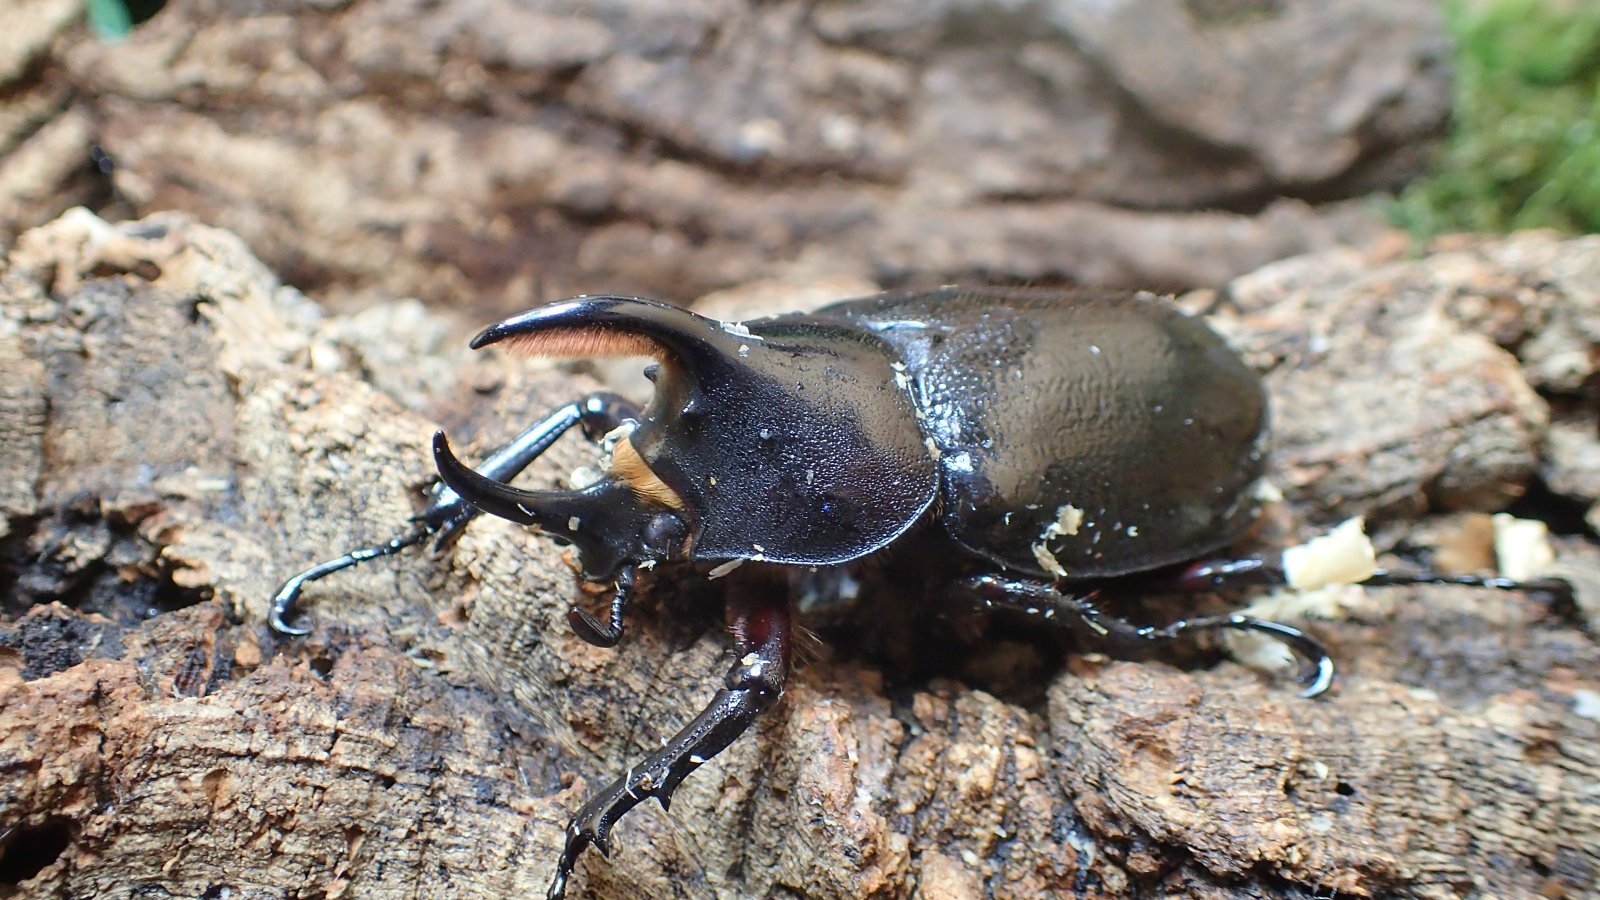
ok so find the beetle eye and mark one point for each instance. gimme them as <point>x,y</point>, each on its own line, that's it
<point>665,533</point>
<point>652,372</point>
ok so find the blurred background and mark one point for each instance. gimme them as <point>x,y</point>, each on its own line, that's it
<point>487,154</point>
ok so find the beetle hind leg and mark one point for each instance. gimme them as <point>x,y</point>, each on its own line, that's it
<point>1044,601</point>
<point>1557,593</point>
<point>752,685</point>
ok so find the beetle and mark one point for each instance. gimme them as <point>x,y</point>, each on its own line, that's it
<point>1053,442</point>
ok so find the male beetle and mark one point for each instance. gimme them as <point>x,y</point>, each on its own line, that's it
<point>1055,443</point>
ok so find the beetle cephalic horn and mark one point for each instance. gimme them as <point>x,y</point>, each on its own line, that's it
<point>485,493</point>
<point>610,326</point>
<point>604,521</point>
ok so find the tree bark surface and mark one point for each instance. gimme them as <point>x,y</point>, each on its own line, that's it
<point>181,431</point>
<point>484,151</point>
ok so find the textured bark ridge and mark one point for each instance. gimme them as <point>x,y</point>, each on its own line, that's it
<point>482,151</point>
<point>181,431</point>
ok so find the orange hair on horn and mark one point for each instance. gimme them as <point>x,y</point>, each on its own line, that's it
<point>584,341</point>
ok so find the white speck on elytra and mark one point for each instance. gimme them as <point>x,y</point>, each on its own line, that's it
<point>739,329</point>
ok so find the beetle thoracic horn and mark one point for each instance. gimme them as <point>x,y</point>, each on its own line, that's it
<point>612,326</point>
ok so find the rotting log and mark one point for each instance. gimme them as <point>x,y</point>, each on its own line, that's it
<point>181,431</point>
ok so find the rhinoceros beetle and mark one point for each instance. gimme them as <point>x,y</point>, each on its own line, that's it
<point>1054,442</point>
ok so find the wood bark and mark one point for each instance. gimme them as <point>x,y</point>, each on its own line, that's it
<point>182,431</point>
<point>484,151</point>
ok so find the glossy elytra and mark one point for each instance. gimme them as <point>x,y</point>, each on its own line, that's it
<point>1056,442</point>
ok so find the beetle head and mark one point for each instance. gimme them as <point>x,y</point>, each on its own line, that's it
<point>609,522</point>
<point>793,440</point>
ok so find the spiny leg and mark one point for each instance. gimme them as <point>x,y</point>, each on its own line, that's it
<point>755,682</point>
<point>447,513</point>
<point>1045,602</point>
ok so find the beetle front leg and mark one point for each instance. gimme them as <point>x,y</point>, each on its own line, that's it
<point>1046,602</point>
<point>447,513</point>
<point>755,682</point>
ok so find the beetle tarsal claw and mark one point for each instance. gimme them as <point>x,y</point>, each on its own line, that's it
<point>1316,664</point>
<point>283,602</point>
<point>1319,679</point>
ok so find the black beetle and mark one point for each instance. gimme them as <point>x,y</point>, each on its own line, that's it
<point>1055,442</point>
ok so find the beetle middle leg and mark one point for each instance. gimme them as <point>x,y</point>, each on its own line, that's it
<point>1046,602</point>
<point>447,513</point>
<point>761,639</point>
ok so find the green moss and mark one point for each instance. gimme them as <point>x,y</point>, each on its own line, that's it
<point>1524,149</point>
<point>109,18</point>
